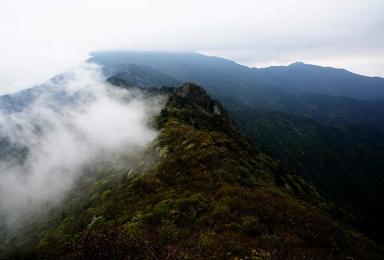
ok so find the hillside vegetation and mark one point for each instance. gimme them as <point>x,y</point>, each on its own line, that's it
<point>201,191</point>
<point>325,124</point>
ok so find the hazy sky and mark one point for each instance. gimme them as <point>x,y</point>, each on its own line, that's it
<point>40,38</point>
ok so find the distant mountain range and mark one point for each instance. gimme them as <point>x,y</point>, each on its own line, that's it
<point>226,78</point>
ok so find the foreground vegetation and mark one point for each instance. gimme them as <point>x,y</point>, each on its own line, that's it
<point>200,191</point>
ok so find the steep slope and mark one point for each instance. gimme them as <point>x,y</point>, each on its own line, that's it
<point>200,191</point>
<point>316,120</point>
<point>335,111</point>
<point>330,157</point>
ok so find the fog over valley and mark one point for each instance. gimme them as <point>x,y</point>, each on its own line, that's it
<point>73,120</point>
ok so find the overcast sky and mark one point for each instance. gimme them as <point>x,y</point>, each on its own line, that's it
<point>40,38</point>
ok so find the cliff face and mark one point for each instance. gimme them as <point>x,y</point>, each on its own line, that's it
<point>200,191</point>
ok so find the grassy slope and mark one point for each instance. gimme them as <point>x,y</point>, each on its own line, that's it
<point>201,191</point>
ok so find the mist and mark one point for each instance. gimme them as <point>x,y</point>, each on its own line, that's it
<point>75,121</point>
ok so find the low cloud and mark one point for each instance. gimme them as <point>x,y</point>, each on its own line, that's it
<point>75,119</point>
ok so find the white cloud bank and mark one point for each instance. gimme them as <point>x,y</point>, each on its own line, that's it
<point>77,120</point>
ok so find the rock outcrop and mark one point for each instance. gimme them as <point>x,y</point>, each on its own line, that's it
<point>193,91</point>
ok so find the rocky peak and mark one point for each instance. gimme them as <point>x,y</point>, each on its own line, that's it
<point>193,91</point>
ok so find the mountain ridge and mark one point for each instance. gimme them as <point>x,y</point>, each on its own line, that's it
<point>305,131</point>
<point>194,67</point>
<point>211,194</point>
<point>311,121</point>
<point>138,53</point>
